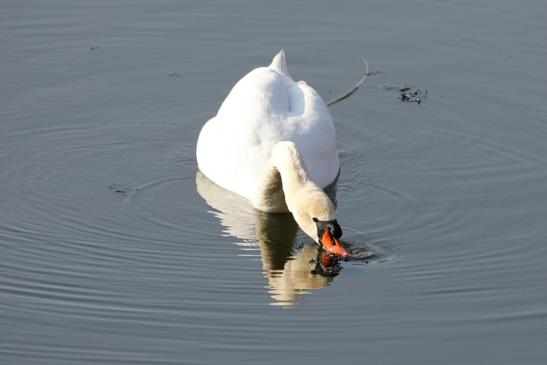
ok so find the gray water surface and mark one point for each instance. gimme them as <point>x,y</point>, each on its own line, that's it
<point>114,249</point>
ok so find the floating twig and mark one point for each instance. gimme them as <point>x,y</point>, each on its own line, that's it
<point>348,93</point>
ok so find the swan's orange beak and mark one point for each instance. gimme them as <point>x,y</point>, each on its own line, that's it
<point>333,245</point>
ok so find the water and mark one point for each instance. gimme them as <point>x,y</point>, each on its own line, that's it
<point>114,250</point>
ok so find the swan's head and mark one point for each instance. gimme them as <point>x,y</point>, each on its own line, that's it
<point>311,207</point>
<point>315,214</point>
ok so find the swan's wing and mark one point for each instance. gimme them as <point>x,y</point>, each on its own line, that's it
<point>234,147</point>
<point>259,95</point>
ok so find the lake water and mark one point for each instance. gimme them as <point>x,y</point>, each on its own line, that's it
<point>115,250</point>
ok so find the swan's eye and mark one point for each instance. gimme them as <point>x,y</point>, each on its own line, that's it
<point>315,219</point>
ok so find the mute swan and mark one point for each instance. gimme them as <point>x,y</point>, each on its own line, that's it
<point>273,142</point>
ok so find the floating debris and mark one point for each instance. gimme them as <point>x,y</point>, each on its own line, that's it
<point>412,96</point>
<point>407,93</point>
<point>118,188</point>
<point>374,73</point>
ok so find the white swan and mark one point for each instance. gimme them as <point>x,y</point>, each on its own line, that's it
<point>273,142</point>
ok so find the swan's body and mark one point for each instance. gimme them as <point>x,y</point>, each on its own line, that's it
<point>273,142</point>
<point>266,106</point>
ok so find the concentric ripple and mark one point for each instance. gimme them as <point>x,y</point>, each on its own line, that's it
<point>112,252</point>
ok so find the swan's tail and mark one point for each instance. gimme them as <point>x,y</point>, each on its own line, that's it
<point>279,63</point>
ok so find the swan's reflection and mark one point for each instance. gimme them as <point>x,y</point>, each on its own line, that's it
<point>290,271</point>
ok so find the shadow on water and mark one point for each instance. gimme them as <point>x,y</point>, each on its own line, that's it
<point>292,264</point>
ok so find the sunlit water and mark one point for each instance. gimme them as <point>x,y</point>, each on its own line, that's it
<point>115,249</point>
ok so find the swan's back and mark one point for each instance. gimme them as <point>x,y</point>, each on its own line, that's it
<point>264,107</point>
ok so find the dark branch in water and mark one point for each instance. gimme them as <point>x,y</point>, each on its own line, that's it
<point>348,93</point>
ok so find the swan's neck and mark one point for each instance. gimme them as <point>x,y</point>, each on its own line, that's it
<point>289,162</point>
<point>286,187</point>
<point>283,178</point>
